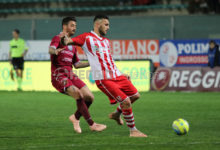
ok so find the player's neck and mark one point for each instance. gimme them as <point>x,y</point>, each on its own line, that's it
<point>97,32</point>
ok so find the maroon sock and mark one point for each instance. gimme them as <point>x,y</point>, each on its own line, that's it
<point>84,111</point>
<point>78,114</point>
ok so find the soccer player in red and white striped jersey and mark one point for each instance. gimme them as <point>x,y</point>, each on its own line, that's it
<point>104,71</point>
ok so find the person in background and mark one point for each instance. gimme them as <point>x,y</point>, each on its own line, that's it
<point>214,6</point>
<point>18,50</point>
<point>213,54</point>
<point>197,6</point>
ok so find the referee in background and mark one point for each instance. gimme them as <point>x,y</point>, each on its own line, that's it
<point>18,50</point>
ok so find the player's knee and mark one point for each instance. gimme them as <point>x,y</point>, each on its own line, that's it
<point>17,72</point>
<point>126,104</point>
<point>78,94</point>
<point>74,92</point>
<point>89,97</point>
<point>135,97</point>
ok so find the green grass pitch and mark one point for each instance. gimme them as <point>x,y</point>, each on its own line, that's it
<point>39,121</point>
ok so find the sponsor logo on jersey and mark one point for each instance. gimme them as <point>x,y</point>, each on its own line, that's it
<point>70,47</point>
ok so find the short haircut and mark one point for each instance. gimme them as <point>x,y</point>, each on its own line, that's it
<point>97,17</point>
<point>66,20</point>
<point>212,41</point>
<point>17,31</point>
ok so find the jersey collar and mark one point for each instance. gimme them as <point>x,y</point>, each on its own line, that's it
<point>97,35</point>
<point>16,40</point>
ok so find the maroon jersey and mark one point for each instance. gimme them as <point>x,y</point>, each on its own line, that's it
<point>64,60</point>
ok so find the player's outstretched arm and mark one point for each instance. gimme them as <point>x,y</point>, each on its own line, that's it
<point>65,40</point>
<point>78,40</point>
<point>81,65</point>
<point>53,51</point>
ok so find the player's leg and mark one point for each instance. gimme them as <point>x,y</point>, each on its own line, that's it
<point>86,93</point>
<point>129,118</point>
<point>81,106</point>
<point>103,85</point>
<point>88,97</point>
<point>112,90</point>
<point>115,115</point>
<point>18,67</point>
<point>128,88</point>
<point>134,98</point>
<point>20,72</point>
<point>61,83</point>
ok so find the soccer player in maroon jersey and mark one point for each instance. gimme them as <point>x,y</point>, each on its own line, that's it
<point>109,79</point>
<point>65,81</point>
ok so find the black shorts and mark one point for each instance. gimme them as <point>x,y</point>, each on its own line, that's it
<point>18,63</point>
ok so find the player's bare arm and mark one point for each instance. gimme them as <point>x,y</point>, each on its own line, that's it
<point>54,51</point>
<point>81,65</point>
<point>9,58</point>
<point>25,52</point>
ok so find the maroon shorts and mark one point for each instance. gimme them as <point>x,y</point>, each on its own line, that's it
<point>117,89</point>
<point>63,82</point>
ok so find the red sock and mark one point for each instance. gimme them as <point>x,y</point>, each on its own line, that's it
<point>129,117</point>
<point>84,111</point>
<point>78,114</point>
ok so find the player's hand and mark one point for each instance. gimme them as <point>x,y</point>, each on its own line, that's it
<point>65,40</point>
<point>62,34</point>
<point>127,76</point>
<point>57,51</point>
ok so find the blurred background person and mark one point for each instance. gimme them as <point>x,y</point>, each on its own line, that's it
<point>213,54</point>
<point>18,50</point>
<point>198,6</point>
<point>204,6</point>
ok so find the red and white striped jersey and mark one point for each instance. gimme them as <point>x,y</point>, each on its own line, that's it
<point>100,59</point>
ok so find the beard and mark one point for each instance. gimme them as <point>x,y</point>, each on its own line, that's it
<point>71,32</point>
<point>101,32</point>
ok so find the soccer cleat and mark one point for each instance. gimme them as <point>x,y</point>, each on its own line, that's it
<point>116,117</point>
<point>75,122</point>
<point>97,127</point>
<point>137,133</point>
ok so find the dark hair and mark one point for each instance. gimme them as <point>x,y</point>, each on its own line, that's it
<point>17,31</point>
<point>66,20</point>
<point>100,17</point>
<point>212,41</point>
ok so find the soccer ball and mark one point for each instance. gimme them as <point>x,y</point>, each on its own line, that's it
<point>180,126</point>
